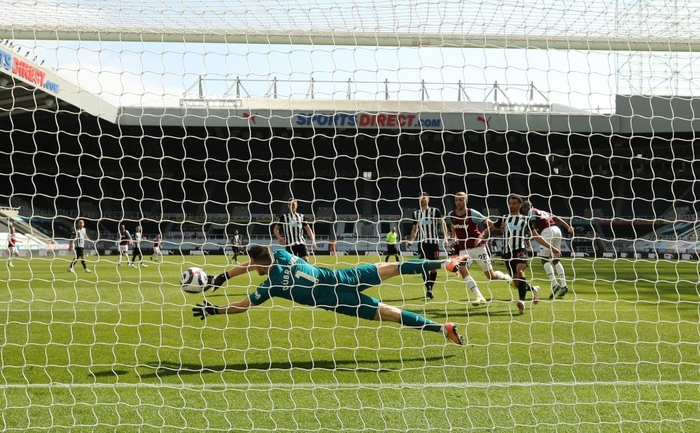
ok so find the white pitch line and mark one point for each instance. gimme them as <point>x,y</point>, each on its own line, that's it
<point>340,386</point>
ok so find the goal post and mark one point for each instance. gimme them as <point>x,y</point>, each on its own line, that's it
<point>178,134</point>
<point>626,26</point>
<point>357,39</point>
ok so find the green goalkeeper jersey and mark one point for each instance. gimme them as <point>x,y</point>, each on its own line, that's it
<point>292,278</point>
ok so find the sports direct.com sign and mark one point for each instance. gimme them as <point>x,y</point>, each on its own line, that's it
<point>26,70</point>
<point>367,120</point>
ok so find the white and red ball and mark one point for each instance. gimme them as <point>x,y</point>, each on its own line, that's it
<point>193,280</point>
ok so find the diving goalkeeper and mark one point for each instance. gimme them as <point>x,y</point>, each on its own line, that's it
<point>340,290</point>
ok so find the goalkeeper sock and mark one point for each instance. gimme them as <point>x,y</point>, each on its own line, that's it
<point>418,266</point>
<point>413,320</point>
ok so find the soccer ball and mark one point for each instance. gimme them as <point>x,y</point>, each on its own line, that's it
<point>193,280</point>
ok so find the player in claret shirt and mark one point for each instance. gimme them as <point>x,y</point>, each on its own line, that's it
<point>340,290</point>
<point>546,225</point>
<point>157,252</point>
<point>124,241</point>
<point>12,246</point>
<point>465,230</point>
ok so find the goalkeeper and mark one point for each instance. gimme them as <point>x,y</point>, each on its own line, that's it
<point>292,278</point>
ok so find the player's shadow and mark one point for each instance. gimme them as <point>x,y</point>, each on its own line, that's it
<point>108,373</point>
<point>165,368</point>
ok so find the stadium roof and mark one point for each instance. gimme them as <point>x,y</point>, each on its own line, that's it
<point>25,86</point>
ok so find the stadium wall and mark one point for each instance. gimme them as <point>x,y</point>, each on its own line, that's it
<point>112,172</point>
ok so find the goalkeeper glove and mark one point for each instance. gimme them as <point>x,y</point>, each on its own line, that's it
<point>216,282</point>
<point>205,309</point>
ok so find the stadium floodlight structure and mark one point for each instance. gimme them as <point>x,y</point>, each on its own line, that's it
<point>97,122</point>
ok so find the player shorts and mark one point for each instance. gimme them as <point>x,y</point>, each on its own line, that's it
<point>13,249</point>
<point>346,296</point>
<point>156,250</point>
<point>298,250</point>
<point>79,251</point>
<point>479,255</point>
<point>123,249</point>
<point>429,251</point>
<point>137,251</point>
<point>552,235</point>
<point>391,250</point>
<point>513,259</point>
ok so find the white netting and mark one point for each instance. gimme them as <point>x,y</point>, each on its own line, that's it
<point>195,119</point>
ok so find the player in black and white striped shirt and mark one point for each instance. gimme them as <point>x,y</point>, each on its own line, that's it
<point>290,229</point>
<point>428,221</point>
<point>517,234</point>
<point>138,237</point>
<point>236,246</point>
<point>77,244</point>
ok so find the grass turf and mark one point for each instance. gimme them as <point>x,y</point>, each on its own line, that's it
<point>119,350</point>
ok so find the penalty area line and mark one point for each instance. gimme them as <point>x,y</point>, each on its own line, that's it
<point>338,386</point>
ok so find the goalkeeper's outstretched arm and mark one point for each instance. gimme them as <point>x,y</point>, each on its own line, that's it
<point>206,308</point>
<point>219,280</point>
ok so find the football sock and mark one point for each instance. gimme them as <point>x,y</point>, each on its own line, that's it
<point>419,266</point>
<point>471,285</point>
<point>549,270</point>
<point>501,276</point>
<point>561,273</point>
<point>413,320</point>
<point>523,287</point>
<point>432,276</point>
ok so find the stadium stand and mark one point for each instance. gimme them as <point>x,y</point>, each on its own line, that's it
<point>125,164</point>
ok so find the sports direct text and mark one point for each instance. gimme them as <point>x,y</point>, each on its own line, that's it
<point>366,120</point>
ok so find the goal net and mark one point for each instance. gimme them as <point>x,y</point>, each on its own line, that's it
<point>178,134</point>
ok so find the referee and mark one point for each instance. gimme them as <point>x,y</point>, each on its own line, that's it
<point>290,229</point>
<point>392,245</point>
<point>78,240</point>
<point>427,222</point>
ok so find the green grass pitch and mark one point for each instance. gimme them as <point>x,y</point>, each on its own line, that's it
<point>119,350</point>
